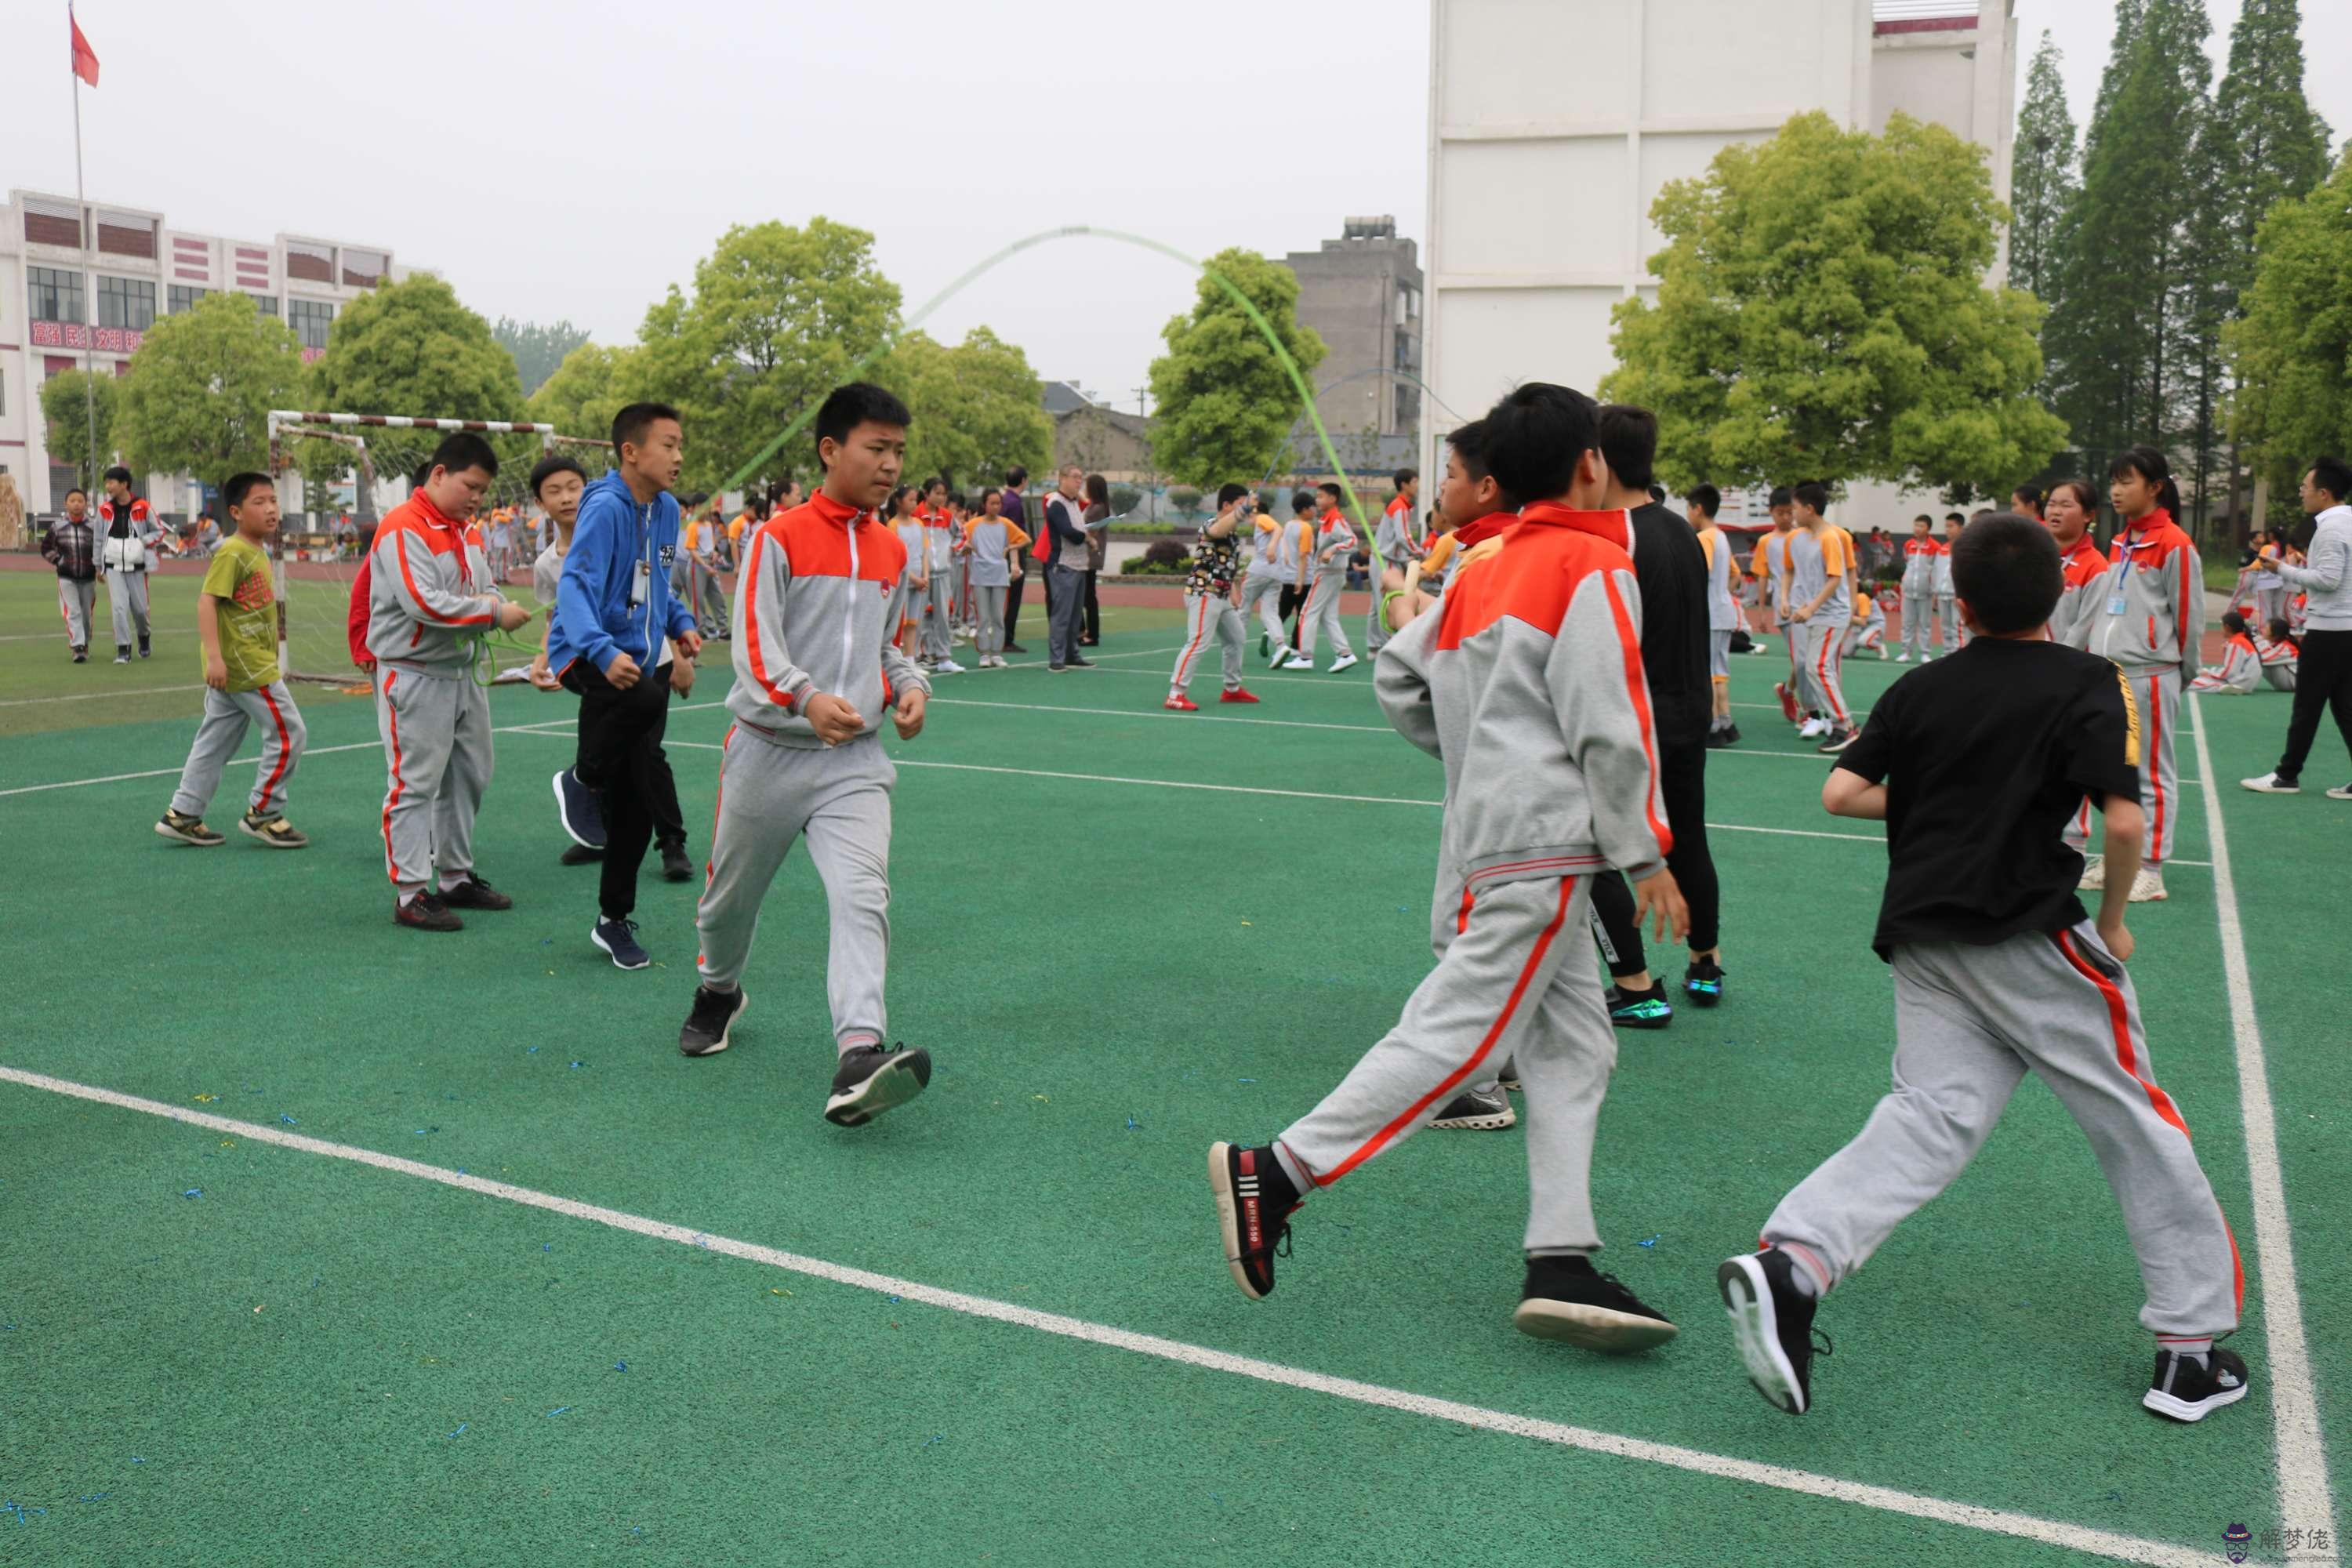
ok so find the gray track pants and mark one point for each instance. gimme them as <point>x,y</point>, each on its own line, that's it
<point>1208,616</point>
<point>1321,616</point>
<point>990,605</point>
<point>939,618</point>
<point>75,603</point>
<point>228,715</point>
<point>1918,617</point>
<point>2270,605</point>
<point>1376,630</point>
<point>1262,597</point>
<point>438,750</point>
<point>1947,621</point>
<point>711,604</point>
<point>768,796</point>
<point>1068,594</point>
<point>126,593</point>
<point>1514,981</point>
<point>1969,1022</point>
<point>1821,673</point>
<point>2156,692</point>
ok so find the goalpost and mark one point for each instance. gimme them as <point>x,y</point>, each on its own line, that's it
<point>315,564</point>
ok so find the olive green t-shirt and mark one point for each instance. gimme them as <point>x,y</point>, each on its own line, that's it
<point>247,614</point>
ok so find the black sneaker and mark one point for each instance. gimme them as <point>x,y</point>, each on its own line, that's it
<point>426,912</point>
<point>580,855</point>
<point>1255,1203</point>
<point>1639,1009</point>
<point>676,867</point>
<point>576,809</point>
<point>1718,739</point>
<point>82,655</point>
<point>1474,1111</point>
<point>1014,648</point>
<point>1837,741</point>
<point>1567,1298</point>
<point>711,1021</point>
<point>619,939</point>
<point>273,830</point>
<point>1773,1322</point>
<point>121,653</point>
<point>2186,1391</point>
<point>1703,983</point>
<point>871,1080</point>
<point>179,826</point>
<point>1731,736</point>
<point>145,649</point>
<point>470,893</point>
<point>1076,663</point>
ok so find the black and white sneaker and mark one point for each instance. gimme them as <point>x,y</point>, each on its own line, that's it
<point>1508,1080</point>
<point>711,1021</point>
<point>2341,792</point>
<point>2185,1390</point>
<point>1567,1299</point>
<point>1477,1110</point>
<point>1639,1009</point>
<point>182,828</point>
<point>871,1080</point>
<point>1837,741</point>
<point>619,939</point>
<point>1255,1203</point>
<point>576,809</point>
<point>676,867</point>
<point>1703,983</point>
<point>1773,1322</point>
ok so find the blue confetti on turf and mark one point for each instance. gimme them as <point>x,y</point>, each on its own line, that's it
<point>559,1410</point>
<point>137,1461</point>
<point>934,1437</point>
<point>423,1130</point>
<point>461,1170</point>
<point>620,1366</point>
<point>579,1064</point>
<point>894,1301</point>
<point>1655,1239</point>
<point>98,1497</point>
<point>194,1193</point>
<point>461,1429</point>
<point>314,1281</point>
<point>1245,1081</point>
<point>287,1119</point>
<point>547,1247</point>
<point>1131,1126</point>
<point>532,1051</point>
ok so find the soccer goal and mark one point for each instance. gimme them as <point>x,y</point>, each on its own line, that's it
<point>337,474</point>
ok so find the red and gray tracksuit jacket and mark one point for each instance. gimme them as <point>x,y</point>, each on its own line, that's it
<point>1527,683</point>
<point>821,591</point>
<point>2150,608</point>
<point>429,591</point>
<point>2080,592</point>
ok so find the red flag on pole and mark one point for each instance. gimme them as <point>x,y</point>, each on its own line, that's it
<point>85,58</point>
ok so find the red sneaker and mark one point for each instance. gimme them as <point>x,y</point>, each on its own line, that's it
<point>1181,705</point>
<point>1236,695</point>
<point>1788,700</point>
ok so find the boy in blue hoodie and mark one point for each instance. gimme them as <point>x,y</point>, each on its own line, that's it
<point>612,607</point>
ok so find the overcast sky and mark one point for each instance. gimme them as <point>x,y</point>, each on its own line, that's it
<point>576,168</point>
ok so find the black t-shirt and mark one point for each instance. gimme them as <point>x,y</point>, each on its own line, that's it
<point>1672,571</point>
<point>1985,756</point>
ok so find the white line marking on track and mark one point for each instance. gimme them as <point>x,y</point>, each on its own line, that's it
<point>2304,1492</point>
<point>2055,1532</point>
<point>96,696</point>
<point>1158,714</point>
<point>250,762</point>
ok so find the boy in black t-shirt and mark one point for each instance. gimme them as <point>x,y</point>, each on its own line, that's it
<point>1984,756</point>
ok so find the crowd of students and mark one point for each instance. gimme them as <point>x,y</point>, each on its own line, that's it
<point>1550,631</point>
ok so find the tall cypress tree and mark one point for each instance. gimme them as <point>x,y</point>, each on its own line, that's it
<point>2043,180</point>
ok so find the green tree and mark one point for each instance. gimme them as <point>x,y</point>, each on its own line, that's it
<point>2043,180</point>
<point>201,387</point>
<point>67,399</point>
<point>1224,399</point>
<point>777,318</point>
<point>2292,352</point>
<point>1822,313</point>
<point>587,389</point>
<point>412,348</point>
<point>978,407</point>
<point>1186,500</point>
<point>537,350</point>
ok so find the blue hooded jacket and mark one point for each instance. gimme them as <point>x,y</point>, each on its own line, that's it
<point>616,533</point>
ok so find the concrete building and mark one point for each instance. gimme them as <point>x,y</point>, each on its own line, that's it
<point>78,280</point>
<point>1553,124</point>
<point>1362,292</point>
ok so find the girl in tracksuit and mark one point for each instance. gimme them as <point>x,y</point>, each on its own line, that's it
<point>908,524</point>
<point>990,544</point>
<point>1526,681</point>
<point>2279,653</point>
<point>2241,670</point>
<point>938,567</point>
<point>2150,621</point>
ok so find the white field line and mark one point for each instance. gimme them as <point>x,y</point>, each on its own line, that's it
<point>244,763</point>
<point>2304,1491</point>
<point>2072,1537</point>
<point>98,696</point>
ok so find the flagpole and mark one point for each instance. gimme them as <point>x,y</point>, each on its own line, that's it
<point>90,281</point>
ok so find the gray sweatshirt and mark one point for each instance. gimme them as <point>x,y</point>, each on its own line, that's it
<point>2328,578</point>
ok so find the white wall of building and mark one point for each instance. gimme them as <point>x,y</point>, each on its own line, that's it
<point>1554,123</point>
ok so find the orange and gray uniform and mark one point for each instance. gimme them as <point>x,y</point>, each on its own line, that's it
<point>2239,672</point>
<point>430,602</point>
<point>1812,562</point>
<point>1526,681</point>
<point>1868,626</point>
<point>1393,544</point>
<point>912,542</point>
<point>818,598</point>
<point>1262,578</point>
<point>125,537</point>
<point>2149,618</point>
<point>989,545</point>
<point>1947,601</point>
<point>1335,542</point>
<point>2280,661</point>
<point>1722,603</point>
<point>1919,607</point>
<point>2084,572</point>
<point>939,600</point>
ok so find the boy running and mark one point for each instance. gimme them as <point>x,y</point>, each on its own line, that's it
<point>237,620</point>
<point>1335,540</point>
<point>429,600</point>
<point>1526,681</point>
<point>1209,607</point>
<point>822,587</point>
<point>1294,559</point>
<point>1919,553</point>
<point>1262,583</point>
<point>1820,577</point>
<point>71,546</point>
<point>1974,768</point>
<point>614,620</point>
<point>992,543</point>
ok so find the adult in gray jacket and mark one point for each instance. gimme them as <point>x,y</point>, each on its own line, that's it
<point>126,542</point>
<point>1065,526</point>
<point>2325,677</point>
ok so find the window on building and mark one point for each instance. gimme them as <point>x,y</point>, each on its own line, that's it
<point>315,262</point>
<point>57,296</point>
<point>1403,350</point>
<point>52,223</point>
<point>1408,407</point>
<point>126,302</point>
<point>310,319</point>
<point>268,303</point>
<point>183,297</point>
<point>364,269</point>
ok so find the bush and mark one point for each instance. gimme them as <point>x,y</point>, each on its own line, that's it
<point>1124,500</point>
<point>1186,500</point>
<point>1161,558</point>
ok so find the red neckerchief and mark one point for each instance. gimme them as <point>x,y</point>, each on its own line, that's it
<point>1616,527</point>
<point>1470,534</point>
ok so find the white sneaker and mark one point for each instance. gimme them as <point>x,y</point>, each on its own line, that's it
<point>1345,661</point>
<point>2148,888</point>
<point>1277,659</point>
<point>2094,873</point>
<point>2342,791</point>
<point>1293,659</point>
<point>1813,729</point>
<point>947,667</point>
<point>2270,784</point>
<point>1902,659</point>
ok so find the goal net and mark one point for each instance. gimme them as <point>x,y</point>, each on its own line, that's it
<point>337,474</point>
